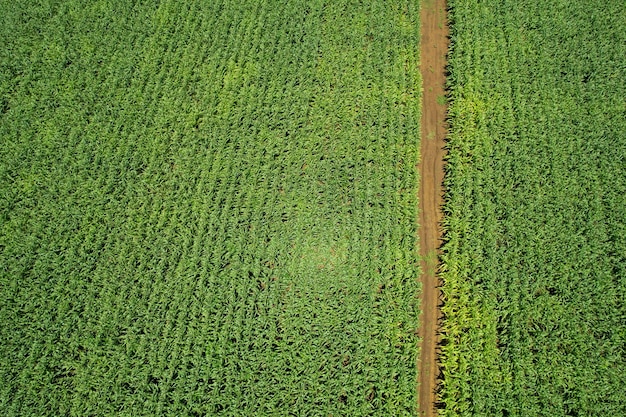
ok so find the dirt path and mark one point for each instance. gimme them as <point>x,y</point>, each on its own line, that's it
<point>434,46</point>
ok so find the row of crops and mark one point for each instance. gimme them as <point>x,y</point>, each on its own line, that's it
<point>535,252</point>
<point>208,207</point>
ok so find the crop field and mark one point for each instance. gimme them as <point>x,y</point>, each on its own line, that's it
<point>209,207</point>
<point>535,254</point>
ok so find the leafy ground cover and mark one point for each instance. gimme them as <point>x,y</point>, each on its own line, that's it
<point>208,207</point>
<point>535,284</point>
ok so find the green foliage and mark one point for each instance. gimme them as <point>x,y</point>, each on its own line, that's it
<point>208,207</point>
<point>535,253</point>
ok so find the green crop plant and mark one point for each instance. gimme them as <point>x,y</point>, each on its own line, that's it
<point>208,208</point>
<point>533,263</point>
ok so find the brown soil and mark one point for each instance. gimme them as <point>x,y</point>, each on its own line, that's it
<point>434,47</point>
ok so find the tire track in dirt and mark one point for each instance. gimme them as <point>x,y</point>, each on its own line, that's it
<point>433,49</point>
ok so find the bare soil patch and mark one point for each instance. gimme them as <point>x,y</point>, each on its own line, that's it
<point>434,47</point>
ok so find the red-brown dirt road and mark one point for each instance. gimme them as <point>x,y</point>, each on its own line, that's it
<point>434,47</point>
